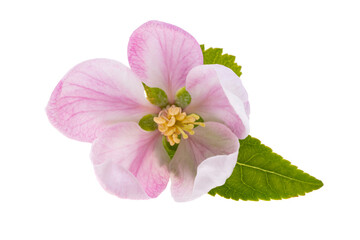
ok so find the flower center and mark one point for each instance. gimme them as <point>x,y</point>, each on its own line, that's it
<point>173,123</point>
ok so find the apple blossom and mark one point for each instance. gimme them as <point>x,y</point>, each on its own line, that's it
<point>102,101</point>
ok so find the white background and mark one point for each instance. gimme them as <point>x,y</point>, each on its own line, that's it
<point>301,69</point>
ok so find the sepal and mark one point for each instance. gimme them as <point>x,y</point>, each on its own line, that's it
<point>156,96</point>
<point>147,123</point>
<point>182,98</point>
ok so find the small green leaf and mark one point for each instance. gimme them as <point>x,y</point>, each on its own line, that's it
<point>147,123</point>
<point>156,96</point>
<point>262,174</point>
<point>216,56</point>
<point>168,148</point>
<point>182,98</point>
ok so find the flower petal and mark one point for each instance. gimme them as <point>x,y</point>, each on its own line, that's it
<point>95,94</point>
<point>203,161</point>
<point>162,54</point>
<point>232,86</point>
<point>130,162</point>
<point>218,95</point>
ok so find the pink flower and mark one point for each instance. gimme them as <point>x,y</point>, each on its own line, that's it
<point>101,101</point>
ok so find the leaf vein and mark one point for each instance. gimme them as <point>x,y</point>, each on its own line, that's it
<point>275,173</point>
<point>249,186</point>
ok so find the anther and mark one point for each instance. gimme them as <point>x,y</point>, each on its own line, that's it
<point>171,122</point>
<point>159,120</point>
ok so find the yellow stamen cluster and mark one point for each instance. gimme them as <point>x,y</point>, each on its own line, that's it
<point>173,123</point>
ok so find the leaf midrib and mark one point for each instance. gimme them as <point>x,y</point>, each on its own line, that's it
<point>278,174</point>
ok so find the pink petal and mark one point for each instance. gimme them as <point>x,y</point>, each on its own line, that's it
<point>130,162</point>
<point>218,95</point>
<point>162,55</point>
<point>95,94</point>
<point>203,161</point>
<point>233,87</point>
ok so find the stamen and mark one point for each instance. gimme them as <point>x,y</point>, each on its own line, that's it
<point>177,131</point>
<point>199,124</point>
<point>174,110</point>
<point>175,138</point>
<point>181,116</point>
<point>188,127</point>
<point>176,124</point>
<point>185,136</point>
<point>171,122</point>
<point>171,141</point>
<point>162,128</point>
<point>169,132</point>
<point>159,120</point>
<point>194,116</point>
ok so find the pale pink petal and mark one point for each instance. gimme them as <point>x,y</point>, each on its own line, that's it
<point>218,95</point>
<point>203,161</point>
<point>130,162</point>
<point>162,54</point>
<point>95,94</point>
<point>232,86</point>
<point>119,181</point>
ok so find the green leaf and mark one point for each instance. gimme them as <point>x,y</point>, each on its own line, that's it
<point>147,123</point>
<point>182,98</point>
<point>168,148</point>
<point>156,96</point>
<point>216,56</point>
<point>262,174</point>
